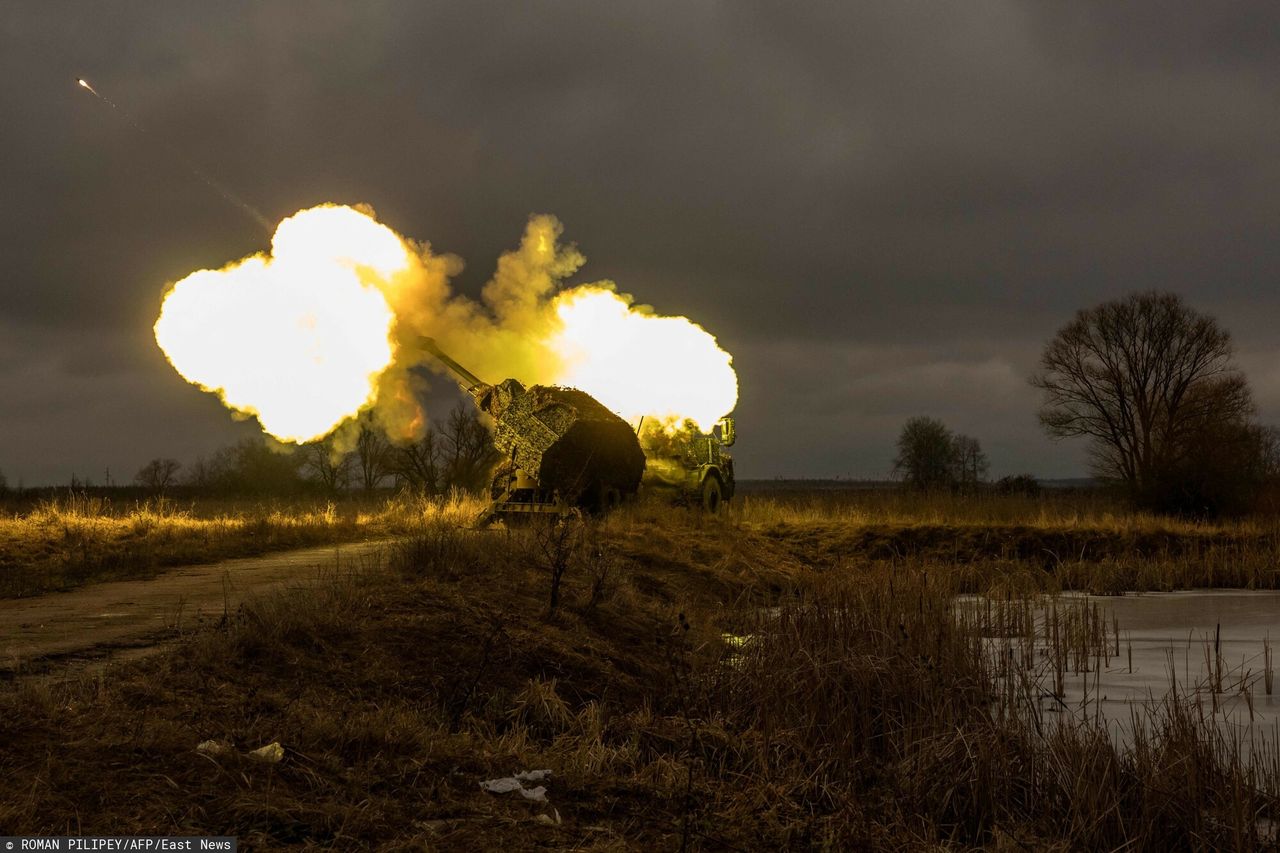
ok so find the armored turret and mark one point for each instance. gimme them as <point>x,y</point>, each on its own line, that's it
<point>562,447</point>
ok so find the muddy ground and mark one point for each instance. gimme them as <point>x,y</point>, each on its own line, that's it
<point>127,618</point>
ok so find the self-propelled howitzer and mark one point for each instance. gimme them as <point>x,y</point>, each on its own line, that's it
<point>562,448</point>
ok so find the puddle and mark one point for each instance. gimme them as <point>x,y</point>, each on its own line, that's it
<point>1113,658</point>
<point>1116,659</point>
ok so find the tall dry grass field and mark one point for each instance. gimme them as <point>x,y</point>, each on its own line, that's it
<point>76,539</point>
<point>762,681</point>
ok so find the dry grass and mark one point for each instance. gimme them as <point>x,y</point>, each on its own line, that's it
<point>853,711</point>
<point>1082,540</point>
<point>77,539</point>
<point>1051,510</point>
<point>1079,540</point>
<point>871,691</point>
<point>859,712</point>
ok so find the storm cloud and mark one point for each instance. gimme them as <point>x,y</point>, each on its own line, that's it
<point>882,210</point>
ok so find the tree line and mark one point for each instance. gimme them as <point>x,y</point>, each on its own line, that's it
<point>1152,386</point>
<point>1148,382</point>
<point>456,453</point>
<point>930,456</point>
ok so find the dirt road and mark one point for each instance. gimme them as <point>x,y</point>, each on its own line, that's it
<point>129,618</point>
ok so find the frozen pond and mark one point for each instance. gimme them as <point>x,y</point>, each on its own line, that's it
<point>1112,658</point>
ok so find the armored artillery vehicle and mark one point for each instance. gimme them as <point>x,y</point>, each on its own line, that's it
<point>691,466</point>
<point>562,449</point>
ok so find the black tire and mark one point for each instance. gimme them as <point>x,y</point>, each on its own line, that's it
<point>517,520</point>
<point>601,500</point>
<point>529,520</point>
<point>610,499</point>
<point>712,495</point>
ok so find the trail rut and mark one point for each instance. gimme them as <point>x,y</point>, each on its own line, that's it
<point>131,618</point>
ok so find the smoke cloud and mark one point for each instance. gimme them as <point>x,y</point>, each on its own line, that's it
<point>338,284</point>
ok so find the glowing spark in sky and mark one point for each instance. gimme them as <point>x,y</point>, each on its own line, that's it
<point>214,185</point>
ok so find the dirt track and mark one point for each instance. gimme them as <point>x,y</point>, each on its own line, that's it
<point>129,618</point>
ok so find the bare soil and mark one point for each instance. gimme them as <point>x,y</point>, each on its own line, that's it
<point>129,618</point>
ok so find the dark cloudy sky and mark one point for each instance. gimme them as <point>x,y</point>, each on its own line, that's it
<point>881,209</point>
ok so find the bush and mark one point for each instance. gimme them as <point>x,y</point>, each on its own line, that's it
<point>1223,472</point>
<point>1019,484</point>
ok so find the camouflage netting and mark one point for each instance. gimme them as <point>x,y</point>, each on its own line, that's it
<point>685,443</point>
<point>569,442</point>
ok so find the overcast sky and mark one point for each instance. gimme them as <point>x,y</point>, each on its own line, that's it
<point>881,209</point>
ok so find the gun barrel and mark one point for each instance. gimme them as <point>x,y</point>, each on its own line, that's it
<point>468,380</point>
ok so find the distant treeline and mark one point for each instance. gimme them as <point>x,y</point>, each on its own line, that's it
<point>454,454</point>
<point>1153,388</point>
<point>1018,483</point>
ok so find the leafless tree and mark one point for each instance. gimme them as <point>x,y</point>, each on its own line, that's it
<point>557,547</point>
<point>458,453</point>
<point>971,463</point>
<point>468,450</point>
<point>418,464</point>
<point>372,457</point>
<point>200,474</point>
<point>926,454</point>
<point>329,466</point>
<point>1268,455</point>
<point>158,474</point>
<point>255,466</point>
<point>1145,378</point>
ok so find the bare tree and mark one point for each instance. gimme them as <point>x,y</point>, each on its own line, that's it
<point>418,464</point>
<point>372,457</point>
<point>1145,378</point>
<point>1224,470</point>
<point>469,453</point>
<point>328,465</point>
<point>458,453</point>
<point>557,547</point>
<point>200,474</point>
<point>255,466</point>
<point>1267,458</point>
<point>926,454</point>
<point>158,474</point>
<point>970,461</point>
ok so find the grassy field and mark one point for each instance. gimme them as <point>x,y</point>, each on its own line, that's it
<point>75,539</point>
<point>1077,540</point>
<point>1085,540</point>
<point>791,677</point>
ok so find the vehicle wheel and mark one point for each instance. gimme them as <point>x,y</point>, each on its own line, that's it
<point>712,495</point>
<point>610,499</point>
<point>601,499</point>
<point>529,520</point>
<point>503,480</point>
